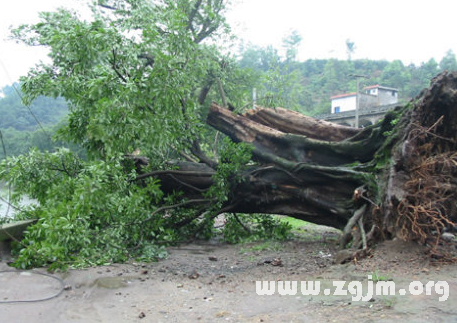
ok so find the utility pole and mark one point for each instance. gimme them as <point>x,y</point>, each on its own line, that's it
<point>357,98</point>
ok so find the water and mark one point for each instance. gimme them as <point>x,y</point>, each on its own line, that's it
<point>4,211</point>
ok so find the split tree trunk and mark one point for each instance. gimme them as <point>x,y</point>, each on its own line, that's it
<point>397,177</point>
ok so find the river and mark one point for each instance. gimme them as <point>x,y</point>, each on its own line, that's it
<point>9,212</point>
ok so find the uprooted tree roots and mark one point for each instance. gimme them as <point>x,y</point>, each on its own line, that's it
<point>423,214</point>
<point>424,200</point>
<point>393,179</point>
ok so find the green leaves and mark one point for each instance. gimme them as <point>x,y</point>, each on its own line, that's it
<point>233,159</point>
<point>132,76</point>
<point>118,100</point>
<point>89,213</point>
<point>253,227</point>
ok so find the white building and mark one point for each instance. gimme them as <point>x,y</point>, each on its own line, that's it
<point>386,95</point>
<point>343,102</point>
<point>374,96</point>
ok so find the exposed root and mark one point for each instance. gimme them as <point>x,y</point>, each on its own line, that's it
<point>351,255</point>
<point>429,206</point>
<point>362,233</point>
<point>348,229</point>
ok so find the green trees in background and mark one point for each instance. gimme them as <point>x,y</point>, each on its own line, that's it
<point>16,115</point>
<point>20,129</point>
<point>318,79</point>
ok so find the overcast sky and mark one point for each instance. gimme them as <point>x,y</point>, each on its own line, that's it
<point>413,31</point>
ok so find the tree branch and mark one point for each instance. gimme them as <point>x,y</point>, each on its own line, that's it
<point>174,206</point>
<point>204,92</point>
<point>192,15</point>
<point>175,172</point>
<point>113,64</point>
<point>221,92</point>
<point>188,185</point>
<point>107,6</point>
<point>196,151</point>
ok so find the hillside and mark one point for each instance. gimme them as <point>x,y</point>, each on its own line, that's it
<point>17,116</point>
<point>307,86</point>
<point>18,126</point>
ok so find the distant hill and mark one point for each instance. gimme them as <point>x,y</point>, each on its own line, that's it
<point>311,83</point>
<point>14,115</point>
<point>20,130</point>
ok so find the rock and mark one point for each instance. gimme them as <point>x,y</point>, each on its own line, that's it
<point>5,251</point>
<point>265,261</point>
<point>277,262</point>
<point>273,262</point>
<point>447,236</point>
<point>343,256</point>
<point>222,314</point>
<point>15,229</point>
<point>212,258</point>
<point>193,275</point>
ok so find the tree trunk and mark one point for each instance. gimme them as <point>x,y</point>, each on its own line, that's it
<point>395,178</point>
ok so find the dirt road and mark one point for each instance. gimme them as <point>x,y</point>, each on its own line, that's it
<point>215,282</point>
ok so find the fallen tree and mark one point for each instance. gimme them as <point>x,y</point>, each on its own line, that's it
<point>129,94</point>
<point>395,178</point>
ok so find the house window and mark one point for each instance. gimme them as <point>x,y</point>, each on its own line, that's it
<point>337,109</point>
<point>393,93</point>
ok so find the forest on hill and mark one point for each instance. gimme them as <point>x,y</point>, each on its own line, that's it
<point>16,115</point>
<point>20,124</point>
<point>311,83</point>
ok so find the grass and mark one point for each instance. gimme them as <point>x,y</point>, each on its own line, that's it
<point>388,302</point>
<point>252,259</point>
<point>296,224</point>
<point>268,245</point>
<point>376,276</point>
<point>306,231</point>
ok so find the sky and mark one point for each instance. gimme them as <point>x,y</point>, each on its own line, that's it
<point>412,31</point>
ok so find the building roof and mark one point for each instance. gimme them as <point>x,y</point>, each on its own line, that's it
<point>345,95</point>
<point>342,95</point>
<point>380,87</point>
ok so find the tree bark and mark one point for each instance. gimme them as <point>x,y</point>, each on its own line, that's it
<point>395,178</point>
<point>295,123</point>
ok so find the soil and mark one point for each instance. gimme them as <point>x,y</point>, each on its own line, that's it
<point>216,282</point>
